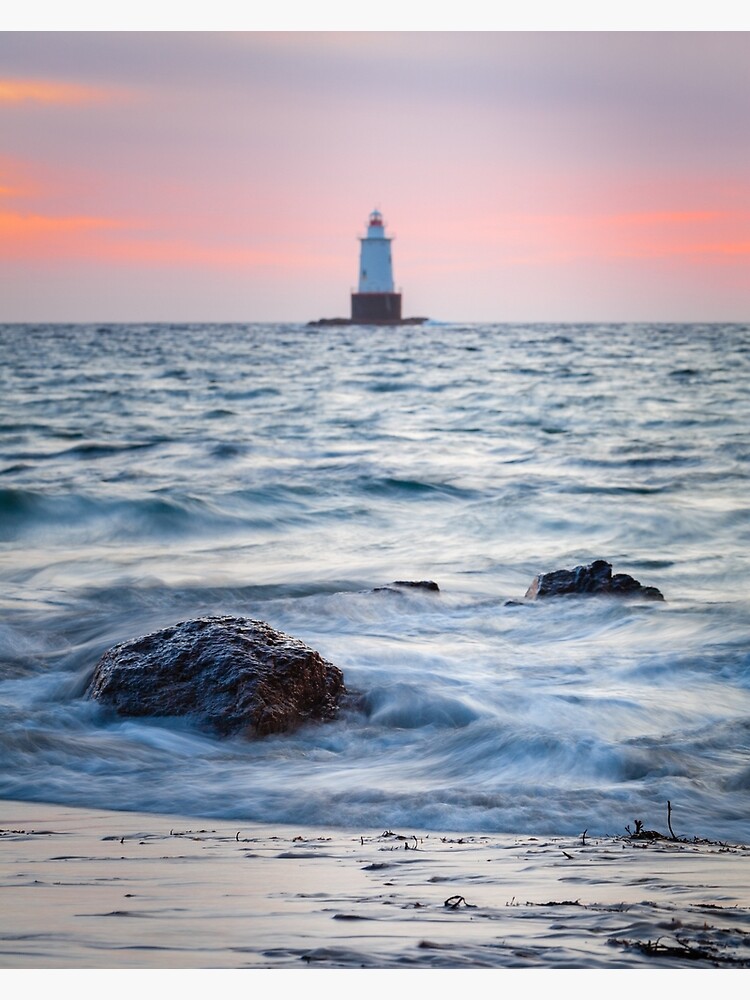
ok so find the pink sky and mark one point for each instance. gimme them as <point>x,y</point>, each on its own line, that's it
<point>542,176</point>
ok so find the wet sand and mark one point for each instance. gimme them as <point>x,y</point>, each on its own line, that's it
<point>91,889</point>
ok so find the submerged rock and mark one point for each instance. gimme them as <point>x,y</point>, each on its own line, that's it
<point>410,585</point>
<point>594,579</point>
<point>232,674</point>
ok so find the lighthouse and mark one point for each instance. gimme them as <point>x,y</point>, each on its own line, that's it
<point>375,301</point>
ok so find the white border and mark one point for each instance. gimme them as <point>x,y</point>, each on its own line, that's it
<point>392,15</point>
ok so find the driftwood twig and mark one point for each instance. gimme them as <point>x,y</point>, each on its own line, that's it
<point>669,819</point>
<point>453,902</point>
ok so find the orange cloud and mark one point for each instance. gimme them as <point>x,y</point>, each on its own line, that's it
<point>45,237</point>
<point>18,179</point>
<point>625,219</point>
<point>174,252</point>
<point>718,238</point>
<point>692,250</point>
<point>15,226</point>
<point>65,238</point>
<point>701,234</point>
<point>49,92</point>
<point>550,238</point>
<point>660,218</point>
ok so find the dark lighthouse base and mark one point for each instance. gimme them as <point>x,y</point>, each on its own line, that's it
<point>373,309</point>
<point>376,307</point>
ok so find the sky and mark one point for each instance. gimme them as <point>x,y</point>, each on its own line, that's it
<point>527,176</point>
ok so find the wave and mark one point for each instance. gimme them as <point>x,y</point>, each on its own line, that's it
<point>68,516</point>
<point>156,473</point>
<point>392,486</point>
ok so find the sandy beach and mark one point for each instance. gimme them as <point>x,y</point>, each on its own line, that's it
<point>91,889</point>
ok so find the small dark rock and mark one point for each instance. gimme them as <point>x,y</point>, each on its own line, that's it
<point>594,579</point>
<point>409,584</point>
<point>231,674</point>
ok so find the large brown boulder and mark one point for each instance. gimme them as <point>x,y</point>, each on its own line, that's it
<point>594,579</point>
<point>235,675</point>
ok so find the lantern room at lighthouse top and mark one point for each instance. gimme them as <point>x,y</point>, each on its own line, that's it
<point>375,226</point>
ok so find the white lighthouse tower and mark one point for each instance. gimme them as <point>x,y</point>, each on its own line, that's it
<point>376,301</point>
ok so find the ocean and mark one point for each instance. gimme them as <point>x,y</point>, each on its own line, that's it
<point>154,473</point>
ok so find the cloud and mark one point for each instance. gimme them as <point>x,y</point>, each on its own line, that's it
<point>701,233</point>
<point>180,252</point>
<point>98,240</point>
<point>19,91</point>
<point>33,237</point>
<point>15,224</point>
